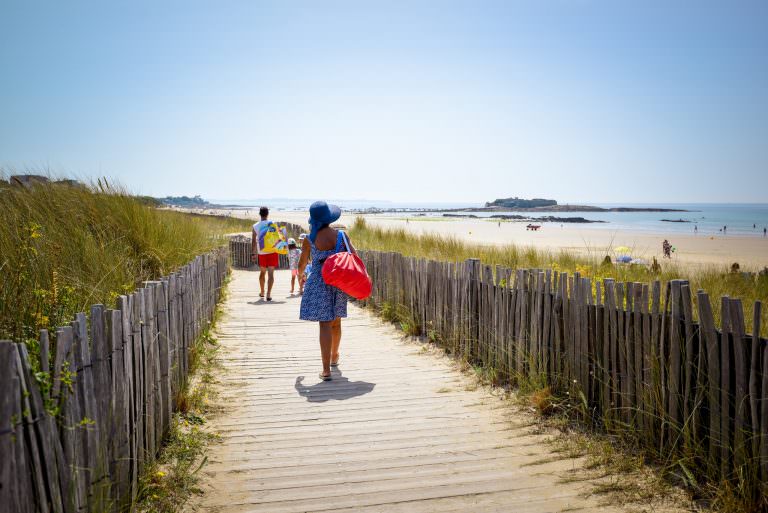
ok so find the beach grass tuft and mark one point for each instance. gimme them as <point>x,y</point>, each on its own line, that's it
<point>65,247</point>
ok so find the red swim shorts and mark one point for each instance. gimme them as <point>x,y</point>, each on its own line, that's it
<point>269,260</point>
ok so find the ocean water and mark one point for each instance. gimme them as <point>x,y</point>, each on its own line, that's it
<point>710,218</point>
<point>738,219</point>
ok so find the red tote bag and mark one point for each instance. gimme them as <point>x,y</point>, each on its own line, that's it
<point>346,271</point>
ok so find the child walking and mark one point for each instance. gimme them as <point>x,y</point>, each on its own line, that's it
<point>294,254</point>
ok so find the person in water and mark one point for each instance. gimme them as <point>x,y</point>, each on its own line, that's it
<point>321,302</point>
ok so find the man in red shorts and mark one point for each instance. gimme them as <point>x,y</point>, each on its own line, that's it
<point>267,261</point>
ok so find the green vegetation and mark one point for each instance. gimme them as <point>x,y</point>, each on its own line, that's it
<point>185,201</point>
<point>521,203</point>
<point>64,248</point>
<point>717,281</point>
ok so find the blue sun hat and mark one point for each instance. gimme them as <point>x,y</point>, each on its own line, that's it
<point>321,214</point>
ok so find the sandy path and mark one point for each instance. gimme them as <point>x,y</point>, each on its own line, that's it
<point>397,430</point>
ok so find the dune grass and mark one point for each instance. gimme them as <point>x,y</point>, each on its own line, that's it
<point>717,281</point>
<point>63,248</point>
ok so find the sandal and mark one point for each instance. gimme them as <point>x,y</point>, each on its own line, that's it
<point>322,376</point>
<point>269,299</point>
<point>335,364</point>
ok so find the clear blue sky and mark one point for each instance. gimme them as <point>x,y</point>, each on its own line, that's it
<point>621,101</point>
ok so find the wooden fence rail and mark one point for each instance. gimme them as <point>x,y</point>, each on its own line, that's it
<point>76,435</point>
<point>632,354</point>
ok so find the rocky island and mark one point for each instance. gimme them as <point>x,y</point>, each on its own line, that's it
<point>519,203</point>
<point>549,205</point>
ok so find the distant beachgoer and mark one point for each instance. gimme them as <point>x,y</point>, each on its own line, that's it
<point>765,232</point>
<point>666,249</point>
<point>267,261</point>
<point>695,228</point>
<point>499,224</point>
<point>754,226</point>
<point>724,228</point>
<point>324,303</point>
<point>294,254</point>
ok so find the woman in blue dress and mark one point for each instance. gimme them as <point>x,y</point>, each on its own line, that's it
<point>323,303</point>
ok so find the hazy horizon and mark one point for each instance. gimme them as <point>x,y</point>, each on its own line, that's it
<point>447,102</point>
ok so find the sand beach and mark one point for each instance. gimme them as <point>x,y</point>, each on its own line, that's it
<point>751,252</point>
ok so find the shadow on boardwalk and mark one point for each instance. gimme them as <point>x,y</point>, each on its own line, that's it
<point>338,389</point>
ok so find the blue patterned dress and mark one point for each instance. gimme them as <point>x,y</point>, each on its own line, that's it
<point>322,302</point>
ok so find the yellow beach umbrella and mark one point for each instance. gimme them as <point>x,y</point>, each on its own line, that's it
<point>622,249</point>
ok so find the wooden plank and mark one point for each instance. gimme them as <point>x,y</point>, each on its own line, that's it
<point>63,349</point>
<point>621,353</point>
<point>154,358</point>
<point>44,431</point>
<point>629,351</point>
<point>472,270</point>
<point>34,447</point>
<point>512,347</point>
<point>754,381</point>
<point>126,318</point>
<point>613,314</point>
<point>566,335</point>
<point>44,351</point>
<point>646,374</point>
<point>102,393</point>
<point>726,387</point>
<point>605,350</point>
<point>14,488</point>
<point>764,417</point>
<point>87,398</point>
<point>586,314</point>
<point>741,375</point>
<point>119,438</point>
<point>164,356</point>
<point>663,346</point>
<point>546,336</point>
<point>575,330</point>
<point>522,324</point>
<point>675,360</point>
<point>656,364</point>
<point>637,352</point>
<point>690,366</point>
<point>709,337</point>
<point>535,322</point>
<point>75,495</point>
<point>557,333</point>
<point>139,415</point>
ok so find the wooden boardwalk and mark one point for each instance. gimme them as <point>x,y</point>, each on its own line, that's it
<point>397,430</point>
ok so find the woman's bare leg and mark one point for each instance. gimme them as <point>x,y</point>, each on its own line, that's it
<point>336,327</point>
<point>326,341</point>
